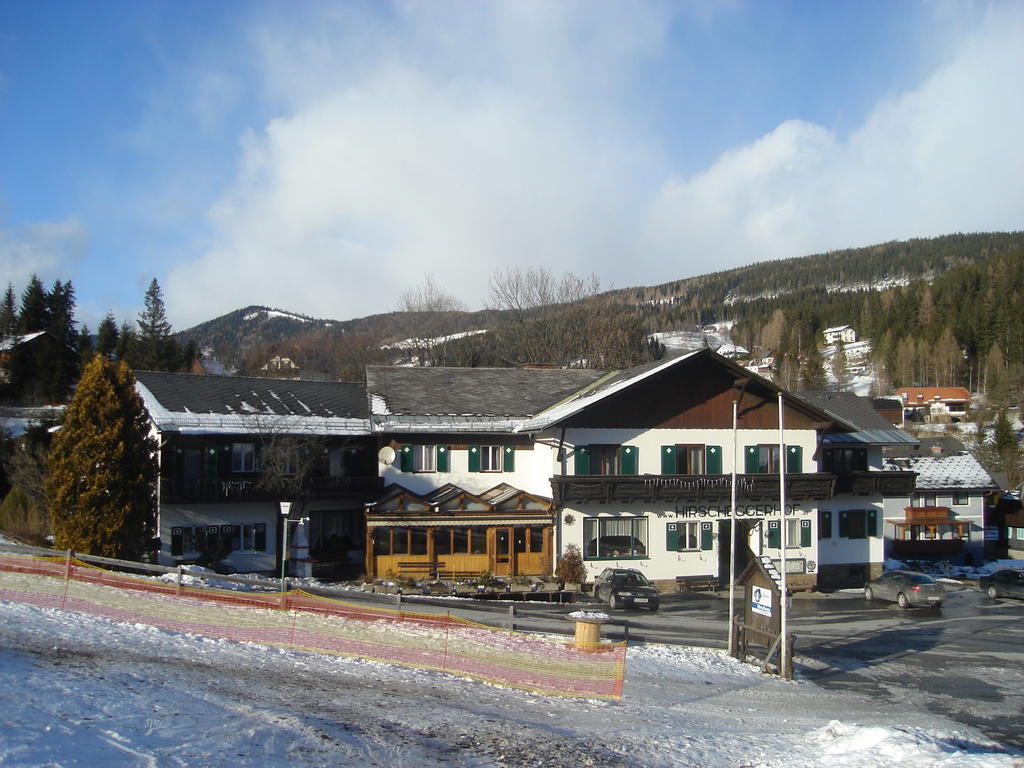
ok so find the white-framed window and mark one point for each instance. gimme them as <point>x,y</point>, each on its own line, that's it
<point>689,535</point>
<point>614,537</point>
<point>424,458</point>
<point>243,457</point>
<point>792,533</point>
<point>960,498</point>
<point>490,458</point>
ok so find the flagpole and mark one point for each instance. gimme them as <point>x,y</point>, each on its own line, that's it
<point>732,536</point>
<point>782,534</point>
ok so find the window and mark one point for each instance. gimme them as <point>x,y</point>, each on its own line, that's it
<point>243,457</point>
<point>841,461</point>
<point>289,463</point>
<point>761,459</point>
<point>792,533</point>
<point>689,459</point>
<point>606,459</point>
<point>926,500</point>
<point>689,535</point>
<point>336,462</point>
<point>858,523</point>
<point>960,498</point>
<point>191,541</point>
<point>423,457</point>
<point>490,458</point>
<point>614,537</point>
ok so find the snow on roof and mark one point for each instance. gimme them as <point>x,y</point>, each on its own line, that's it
<point>951,471</point>
<point>13,341</point>
<point>837,328</point>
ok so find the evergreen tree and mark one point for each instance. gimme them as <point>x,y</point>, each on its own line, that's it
<point>157,349</point>
<point>63,366</point>
<point>840,368</point>
<point>85,347</point>
<point>107,337</point>
<point>8,313</point>
<point>812,372</point>
<point>33,315</point>
<point>127,344</point>
<point>102,481</point>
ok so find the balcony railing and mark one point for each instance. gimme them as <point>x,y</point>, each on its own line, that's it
<point>925,547</point>
<point>250,489</point>
<point>695,488</point>
<point>876,483</point>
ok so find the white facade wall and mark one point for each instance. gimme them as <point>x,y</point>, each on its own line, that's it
<point>194,515</point>
<point>533,469</point>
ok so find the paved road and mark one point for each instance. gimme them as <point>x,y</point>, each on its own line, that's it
<point>965,660</point>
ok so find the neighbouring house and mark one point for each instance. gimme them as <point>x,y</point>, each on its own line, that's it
<point>945,519</point>
<point>934,404</point>
<point>466,490</point>
<point>1014,532</point>
<point>204,366</point>
<point>233,448</point>
<point>852,537</point>
<point>890,408</point>
<point>840,334</point>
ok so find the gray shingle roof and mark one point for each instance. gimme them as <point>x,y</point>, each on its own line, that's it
<point>951,471</point>
<point>872,427</point>
<point>188,402</point>
<point>471,393</point>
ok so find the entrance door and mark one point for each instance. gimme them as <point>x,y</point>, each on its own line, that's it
<point>502,560</point>
<point>740,538</point>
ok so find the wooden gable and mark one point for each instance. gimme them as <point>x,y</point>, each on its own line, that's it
<point>696,394</point>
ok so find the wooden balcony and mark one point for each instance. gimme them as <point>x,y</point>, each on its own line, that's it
<point>204,490</point>
<point>876,483</point>
<point>672,489</point>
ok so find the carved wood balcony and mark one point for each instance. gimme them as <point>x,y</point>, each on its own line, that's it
<point>672,489</point>
<point>876,483</point>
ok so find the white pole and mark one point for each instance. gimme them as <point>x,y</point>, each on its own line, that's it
<point>782,532</point>
<point>732,536</point>
<point>286,508</point>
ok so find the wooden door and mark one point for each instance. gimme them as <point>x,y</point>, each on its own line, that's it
<point>502,559</point>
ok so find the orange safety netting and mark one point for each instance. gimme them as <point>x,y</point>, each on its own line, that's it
<point>304,621</point>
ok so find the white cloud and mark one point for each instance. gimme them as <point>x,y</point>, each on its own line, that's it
<point>49,249</point>
<point>458,141</point>
<point>945,157</point>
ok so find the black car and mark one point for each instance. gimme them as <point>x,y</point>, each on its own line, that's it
<point>626,588</point>
<point>1008,582</point>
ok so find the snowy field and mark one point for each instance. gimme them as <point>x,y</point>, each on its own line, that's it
<point>83,691</point>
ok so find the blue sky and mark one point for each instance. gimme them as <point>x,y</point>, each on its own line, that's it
<point>325,157</point>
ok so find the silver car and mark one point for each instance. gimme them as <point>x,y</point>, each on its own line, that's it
<point>906,588</point>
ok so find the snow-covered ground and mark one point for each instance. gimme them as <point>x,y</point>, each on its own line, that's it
<point>78,690</point>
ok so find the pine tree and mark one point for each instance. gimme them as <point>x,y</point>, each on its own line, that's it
<point>840,368</point>
<point>63,366</point>
<point>8,313</point>
<point>157,349</point>
<point>33,315</point>
<point>102,481</point>
<point>107,337</point>
<point>812,372</point>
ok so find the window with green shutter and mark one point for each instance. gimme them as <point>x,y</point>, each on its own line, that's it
<point>442,458</point>
<point>509,459</point>
<point>707,536</point>
<point>774,535</point>
<point>713,459</point>
<point>672,537</point>
<point>406,457</point>
<point>825,524</point>
<point>668,460</point>
<point>794,459</point>
<point>805,533</point>
<point>474,458</point>
<point>872,523</point>
<point>751,460</point>
<point>628,459</point>
<point>581,460</point>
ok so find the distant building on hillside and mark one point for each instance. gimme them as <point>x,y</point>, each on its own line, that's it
<point>934,404</point>
<point>841,334</point>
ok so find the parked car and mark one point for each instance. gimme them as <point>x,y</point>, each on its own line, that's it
<point>1008,582</point>
<point>906,588</point>
<point>626,588</point>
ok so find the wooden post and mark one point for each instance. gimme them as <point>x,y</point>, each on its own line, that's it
<point>512,617</point>
<point>588,632</point>
<point>67,565</point>
<point>181,570</point>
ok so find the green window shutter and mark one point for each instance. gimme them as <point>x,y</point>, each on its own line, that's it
<point>794,459</point>
<point>260,539</point>
<point>751,460</point>
<point>581,458</point>
<point>805,533</point>
<point>713,459</point>
<point>177,543</point>
<point>668,460</point>
<point>212,461</point>
<point>508,459</point>
<point>628,461</point>
<point>825,524</point>
<point>774,535</point>
<point>407,458</point>
<point>844,525</point>
<point>442,458</point>
<point>872,522</point>
<point>672,537</point>
<point>474,458</point>
<point>707,538</point>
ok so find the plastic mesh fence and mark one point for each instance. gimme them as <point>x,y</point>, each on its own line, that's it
<point>304,621</point>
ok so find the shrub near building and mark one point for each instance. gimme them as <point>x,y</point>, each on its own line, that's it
<point>102,482</point>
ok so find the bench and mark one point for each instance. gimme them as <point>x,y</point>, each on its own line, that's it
<point>418,568</point>
<point>696,583</point>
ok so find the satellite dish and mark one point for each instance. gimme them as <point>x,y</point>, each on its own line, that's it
<point>386,455</point>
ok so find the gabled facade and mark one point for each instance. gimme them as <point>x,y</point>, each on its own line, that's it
<point>840,334</point>
<point>934,404</point>
<point>944,518</point>
<point>233,448</point>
